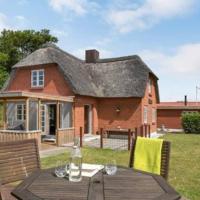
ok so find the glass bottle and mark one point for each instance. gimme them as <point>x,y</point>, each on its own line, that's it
<point>75,167</point>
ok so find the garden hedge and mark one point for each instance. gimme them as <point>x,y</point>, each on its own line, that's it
<point>191,122</point>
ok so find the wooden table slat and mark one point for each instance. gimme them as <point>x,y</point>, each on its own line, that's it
<point>126,184</point>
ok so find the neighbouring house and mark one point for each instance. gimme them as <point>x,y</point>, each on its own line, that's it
<point>53,93</point>
<point>169,113</point>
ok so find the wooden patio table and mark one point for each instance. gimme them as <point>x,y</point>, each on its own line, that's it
<point>126,184</point>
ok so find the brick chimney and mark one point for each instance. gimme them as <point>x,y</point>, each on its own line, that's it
<point>91,56</point>
<point>185,100</point>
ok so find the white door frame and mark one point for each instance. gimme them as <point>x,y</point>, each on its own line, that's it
<point>90,118</point>
<point>45,117</point>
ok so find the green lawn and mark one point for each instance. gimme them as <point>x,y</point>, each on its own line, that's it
<point>184,166</point>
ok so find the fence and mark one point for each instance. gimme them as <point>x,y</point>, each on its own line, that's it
<point>65,136</point>
<point>10,135</point>
<point>114,138</point>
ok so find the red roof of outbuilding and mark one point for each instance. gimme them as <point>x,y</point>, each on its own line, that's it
<point>179,105</point>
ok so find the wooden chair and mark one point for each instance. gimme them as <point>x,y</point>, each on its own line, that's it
<point>18,160</point>
<point>165,157</point>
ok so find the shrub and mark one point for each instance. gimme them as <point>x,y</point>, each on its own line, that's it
<point>191,122</point>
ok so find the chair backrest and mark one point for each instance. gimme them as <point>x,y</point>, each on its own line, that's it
<point>165,157</point>
<point>18,159</point>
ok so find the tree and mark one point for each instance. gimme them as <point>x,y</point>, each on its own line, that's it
<point>15,45</point>
<point>3,76</point>
<point>3,71</point>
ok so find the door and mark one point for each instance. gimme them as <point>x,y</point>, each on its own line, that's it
<point>52,119</point>
<point>87,119</point>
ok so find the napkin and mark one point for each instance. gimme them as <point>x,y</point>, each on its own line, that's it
<point>90,170</point>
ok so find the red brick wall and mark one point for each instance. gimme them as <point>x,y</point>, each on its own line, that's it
<point>170,118</point>
<point>104,113</point>
<point>54,81</point>
<point>80,101</point>
<point>146,102</point>
<point>128,117</point>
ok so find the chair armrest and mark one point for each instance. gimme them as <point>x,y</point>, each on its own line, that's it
<point>0,190</point>
<point>5,193</point>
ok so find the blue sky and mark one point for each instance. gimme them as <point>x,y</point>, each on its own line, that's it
<point>165,33</point>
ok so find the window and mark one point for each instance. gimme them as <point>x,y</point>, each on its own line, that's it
<point>37,78</point>
<point>66,115</point>
<point>145,115</point>
<point>150,86</point>
<point>21,112</point>
<point>43,117</point>
<point>154,113</point>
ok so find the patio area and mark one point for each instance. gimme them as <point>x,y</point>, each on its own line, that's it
<point>181,177</point>
<point>184,180</point>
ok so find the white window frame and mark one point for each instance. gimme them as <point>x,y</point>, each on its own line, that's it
<point>145,115</point>
<point>43,111</point>
<point>37,78</point>
<point>150,86</point>
<point>23,112</point>
<point>154,113</point>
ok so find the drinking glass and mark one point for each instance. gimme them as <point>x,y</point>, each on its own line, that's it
<point>111,167</point>
<point>61,169</point>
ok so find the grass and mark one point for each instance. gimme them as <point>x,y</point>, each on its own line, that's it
<point>185,164</point>
<point>91,155</point>
<point>184,173</point>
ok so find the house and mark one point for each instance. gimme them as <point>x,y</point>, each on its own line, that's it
<point>169,113</point>
<point>51,92</point>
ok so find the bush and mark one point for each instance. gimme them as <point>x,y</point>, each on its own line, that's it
<point>191,122</point>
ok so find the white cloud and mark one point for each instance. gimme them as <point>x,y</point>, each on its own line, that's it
<point>147,14</point>
<point>3,22</point>
<point>184,61</point>
<point>79,7</point>
<point>178,71</point>
<point>22,2</point>
<point>103,41</point>
<point>20,18</point>
<point>80,53</point>
<point>59,33</point>
<point>17,22</point>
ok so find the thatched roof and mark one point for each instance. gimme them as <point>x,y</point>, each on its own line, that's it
<point>114,77</point>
